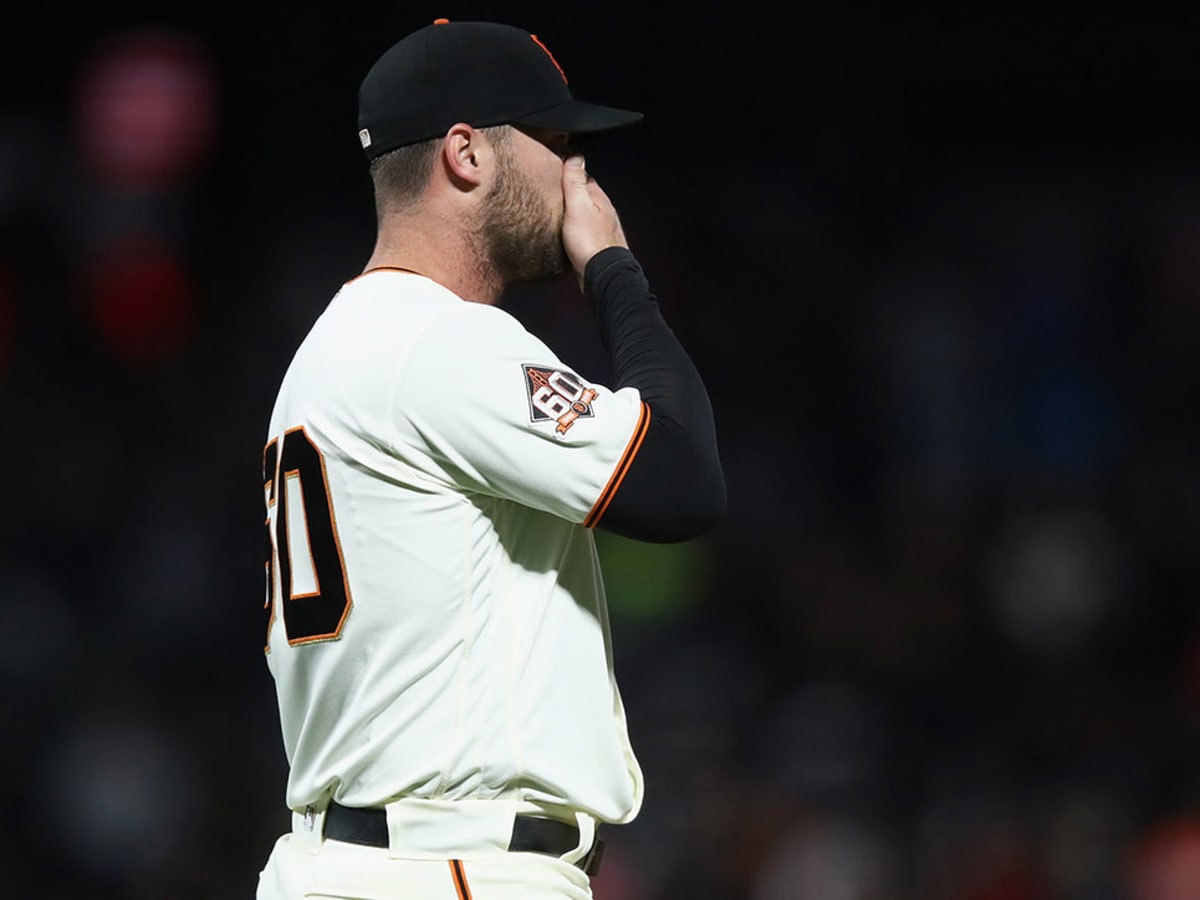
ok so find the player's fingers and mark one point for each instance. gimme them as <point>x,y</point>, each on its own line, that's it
<point>575,175</point>
<point>582,192</point>
<point>590,222</point>
<point>599,198</point>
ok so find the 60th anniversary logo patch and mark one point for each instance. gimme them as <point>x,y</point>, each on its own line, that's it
<point>557,396</point>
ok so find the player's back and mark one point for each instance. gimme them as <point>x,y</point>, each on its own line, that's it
<point>405,583</point>
<point>357,521</point>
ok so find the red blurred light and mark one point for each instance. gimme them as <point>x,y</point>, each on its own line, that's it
<point>147,108</point>
<point>141,301</point>
<point>1165,861</point>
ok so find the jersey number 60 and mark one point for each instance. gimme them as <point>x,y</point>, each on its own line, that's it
<point>302,542</point>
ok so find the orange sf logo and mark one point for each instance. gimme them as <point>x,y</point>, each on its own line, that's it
<point>546,50</point>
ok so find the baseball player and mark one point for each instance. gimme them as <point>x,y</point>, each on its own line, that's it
<point>435,619</point>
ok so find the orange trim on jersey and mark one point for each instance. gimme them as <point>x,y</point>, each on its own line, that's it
<point>269,490</point>
<point>337,543</point>
<point>460,879</point>
<point>622,469</point>
<point>383,269</point>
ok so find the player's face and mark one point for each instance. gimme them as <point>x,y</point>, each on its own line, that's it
<point>522,218</point>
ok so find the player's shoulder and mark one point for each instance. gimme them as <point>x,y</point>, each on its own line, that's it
<point>396,289</point>
<point>385,293</point>
<point>413,320</point>
<point>481,331</point>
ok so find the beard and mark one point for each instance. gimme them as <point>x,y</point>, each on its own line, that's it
<point>520,234</point>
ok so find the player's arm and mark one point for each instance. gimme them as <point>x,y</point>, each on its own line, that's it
<point>674,488</point>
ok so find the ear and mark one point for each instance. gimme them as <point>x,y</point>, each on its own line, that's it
<point>467,155</point>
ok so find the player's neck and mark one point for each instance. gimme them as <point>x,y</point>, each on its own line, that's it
<point>441,252</point>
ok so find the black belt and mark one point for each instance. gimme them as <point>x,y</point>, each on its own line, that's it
<point>531,834</point>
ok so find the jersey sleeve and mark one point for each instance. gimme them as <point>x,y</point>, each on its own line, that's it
<point>495,411</point>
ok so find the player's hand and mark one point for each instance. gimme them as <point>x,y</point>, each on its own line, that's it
<point>590,221</point>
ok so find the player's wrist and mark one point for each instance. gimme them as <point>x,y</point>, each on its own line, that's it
<point>605,265</point>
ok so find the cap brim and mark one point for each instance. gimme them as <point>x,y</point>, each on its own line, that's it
<point>579,118</point>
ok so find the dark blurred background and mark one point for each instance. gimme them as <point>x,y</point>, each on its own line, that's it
<point>940,267</point>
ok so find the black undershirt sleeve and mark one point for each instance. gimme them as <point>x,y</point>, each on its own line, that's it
<point>674,488</point>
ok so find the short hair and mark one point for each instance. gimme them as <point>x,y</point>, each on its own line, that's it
<point>400,175</point>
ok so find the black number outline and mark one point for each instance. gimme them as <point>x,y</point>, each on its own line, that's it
<point>318,615</point>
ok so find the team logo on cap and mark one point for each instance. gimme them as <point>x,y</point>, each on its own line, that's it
<point>557,396</point>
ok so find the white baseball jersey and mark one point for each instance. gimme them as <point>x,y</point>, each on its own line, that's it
<point>437,623</point>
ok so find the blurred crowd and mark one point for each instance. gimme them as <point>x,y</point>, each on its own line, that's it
<point>944,646</point>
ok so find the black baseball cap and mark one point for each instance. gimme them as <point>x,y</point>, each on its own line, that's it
<point>481,73</point>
